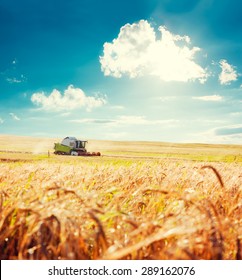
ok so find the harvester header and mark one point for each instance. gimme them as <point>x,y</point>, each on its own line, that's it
<point>73,146</point>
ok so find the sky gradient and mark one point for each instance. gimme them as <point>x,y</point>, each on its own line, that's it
<point>122,70</point>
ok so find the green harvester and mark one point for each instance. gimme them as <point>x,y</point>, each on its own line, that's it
<point>73,146</point>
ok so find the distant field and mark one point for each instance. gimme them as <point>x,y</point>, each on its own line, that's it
<point>140,200</point>
<point>199,152</point>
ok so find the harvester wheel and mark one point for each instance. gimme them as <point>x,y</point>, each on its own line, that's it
<point>96,154</point>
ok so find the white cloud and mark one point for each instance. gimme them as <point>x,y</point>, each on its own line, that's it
<point>14,117</point>
<point>209,98</point>
<point>88,121</point>
<point>66,114</point>
<point>15,80</point>
<point>1,121</point>
<point>211,138</point>
<point>73,98</point>
<point>229,130</point>
<point>137,52</point>
<point>229,134</point>
<point>117,107</point>
<point>142,120</point>
<point>228,73</point>
<point>127,120</point>
<point>167,98</point>
<point>236,114</point>
<point>132,120</point>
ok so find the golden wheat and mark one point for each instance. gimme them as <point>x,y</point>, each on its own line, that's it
<point>110,209</point>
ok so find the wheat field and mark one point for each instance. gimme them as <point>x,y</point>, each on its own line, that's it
<point>121,205</point>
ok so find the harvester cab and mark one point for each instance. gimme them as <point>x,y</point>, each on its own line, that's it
<point>74,147</point>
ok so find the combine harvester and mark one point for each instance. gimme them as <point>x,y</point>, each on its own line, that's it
<point>74,147</point>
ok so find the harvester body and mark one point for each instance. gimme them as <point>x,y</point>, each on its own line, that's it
<point>73,146</point>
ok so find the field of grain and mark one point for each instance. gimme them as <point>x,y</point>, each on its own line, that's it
<point>140,200</point>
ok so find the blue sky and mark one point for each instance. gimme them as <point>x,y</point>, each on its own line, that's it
<point>122,70</point>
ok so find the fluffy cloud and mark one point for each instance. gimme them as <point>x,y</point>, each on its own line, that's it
<point>72,98</point>
<point>1,121</point>
<point>209,98</point>
<point>14,117</point>
<point>228,73</point>
<point>137,51</point>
